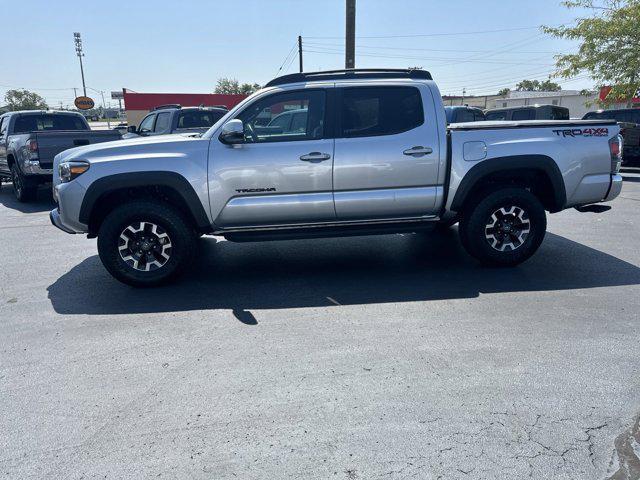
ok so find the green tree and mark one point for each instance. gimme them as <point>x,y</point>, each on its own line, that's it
<point>538,86</point>
<point>549,86</point>
<point>24,100</point>
<point>231,86</point>
<point>608,49</point>
<point>504,92</point>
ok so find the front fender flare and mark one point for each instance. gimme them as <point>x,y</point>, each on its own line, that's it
<point>119,181</point>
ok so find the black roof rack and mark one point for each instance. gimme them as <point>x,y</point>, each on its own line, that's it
<point>349,74</point>
<point>170,105</point>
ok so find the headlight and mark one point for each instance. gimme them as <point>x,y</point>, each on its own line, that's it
<point>71,170</point>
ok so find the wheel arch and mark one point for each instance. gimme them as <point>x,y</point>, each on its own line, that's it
<point>538,171</point>
<point>107,192</point>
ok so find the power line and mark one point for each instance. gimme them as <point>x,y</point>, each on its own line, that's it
<point>287,57</point>
<point>457,50</point>
<point>448,34</point>
<point>407,57</point>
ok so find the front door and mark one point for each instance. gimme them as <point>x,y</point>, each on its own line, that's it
<point>386,153</point>
<point>282,173</point>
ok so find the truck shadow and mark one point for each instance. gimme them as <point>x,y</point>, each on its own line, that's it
<point>43,202</point>
<point>352,271</point>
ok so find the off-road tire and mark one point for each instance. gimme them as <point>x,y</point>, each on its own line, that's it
<point>511,219</point>
<point>24,189</point>
<point>171,227</point>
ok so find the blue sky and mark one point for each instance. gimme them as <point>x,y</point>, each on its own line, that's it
<point>185,46</point>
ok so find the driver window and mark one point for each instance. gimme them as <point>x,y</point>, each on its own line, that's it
<point>285,117</point>
<point>146,126</point>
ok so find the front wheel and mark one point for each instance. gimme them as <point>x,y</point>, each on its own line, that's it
<point>145,244</point>
<point>503,228</point>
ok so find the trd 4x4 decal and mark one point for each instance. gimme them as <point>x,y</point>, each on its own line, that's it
<point>583,132</point>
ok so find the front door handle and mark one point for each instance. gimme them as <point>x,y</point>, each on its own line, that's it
<point>418,151</point>
<point>315,157</point>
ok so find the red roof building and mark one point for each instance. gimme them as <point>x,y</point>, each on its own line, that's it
<point>137,105</point>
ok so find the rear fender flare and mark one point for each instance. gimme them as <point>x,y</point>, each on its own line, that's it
<point>541,163</point>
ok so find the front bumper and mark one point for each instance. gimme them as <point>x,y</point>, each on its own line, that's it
<point>615,188</point>
<point>54,216</point>
<point>68,197</point>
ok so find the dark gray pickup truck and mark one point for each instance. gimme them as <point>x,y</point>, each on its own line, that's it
<point>30,139</point>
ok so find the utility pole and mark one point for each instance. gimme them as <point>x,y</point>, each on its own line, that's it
<point>300,51</point>
<point>350,35</point>
<point>78,42</point>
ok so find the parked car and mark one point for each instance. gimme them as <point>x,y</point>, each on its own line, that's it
<point>374,157</point>
<point>30,139</point>
<point>530,112</point>
<point>462,114</point>
<point>629,121</point>
<point>168,119</point>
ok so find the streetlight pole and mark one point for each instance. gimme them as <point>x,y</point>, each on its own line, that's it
<point>350,35</point>
<point>78,41</point>
<point>104,106</point>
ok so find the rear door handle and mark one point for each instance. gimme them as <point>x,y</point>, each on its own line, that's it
<point>418,151</point>
<point>315,157</point>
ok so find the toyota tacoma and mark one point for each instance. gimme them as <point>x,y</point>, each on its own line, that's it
<point>373,154</point>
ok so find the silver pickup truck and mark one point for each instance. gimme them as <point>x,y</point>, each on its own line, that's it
<point>30,139</point>
<point>373,154</point>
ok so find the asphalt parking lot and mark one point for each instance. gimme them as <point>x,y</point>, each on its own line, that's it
<point>361,358</point>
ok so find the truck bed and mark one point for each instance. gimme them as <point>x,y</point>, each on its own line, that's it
<point>53,142</point>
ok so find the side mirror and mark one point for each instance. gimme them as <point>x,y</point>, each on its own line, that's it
<point>232,132</point>
<point>132,129</point>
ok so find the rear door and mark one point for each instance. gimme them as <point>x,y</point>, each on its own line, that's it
<point>387,152</point>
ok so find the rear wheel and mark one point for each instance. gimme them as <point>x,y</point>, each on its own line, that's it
<point>503,228</point>
<point>145,243</point>
<point>23,188</point>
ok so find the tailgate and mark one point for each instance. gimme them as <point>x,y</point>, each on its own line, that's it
<point>52,143</point>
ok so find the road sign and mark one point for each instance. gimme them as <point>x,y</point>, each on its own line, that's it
<point>84,103</point>
<point>117,95</point>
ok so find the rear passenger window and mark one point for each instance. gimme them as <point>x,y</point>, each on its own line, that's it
<point>496,116</point>
<point>528,114</point>
<point>373,111</point>
<point>559,114</point>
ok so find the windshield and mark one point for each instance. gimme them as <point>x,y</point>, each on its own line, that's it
<point>33,123</point>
